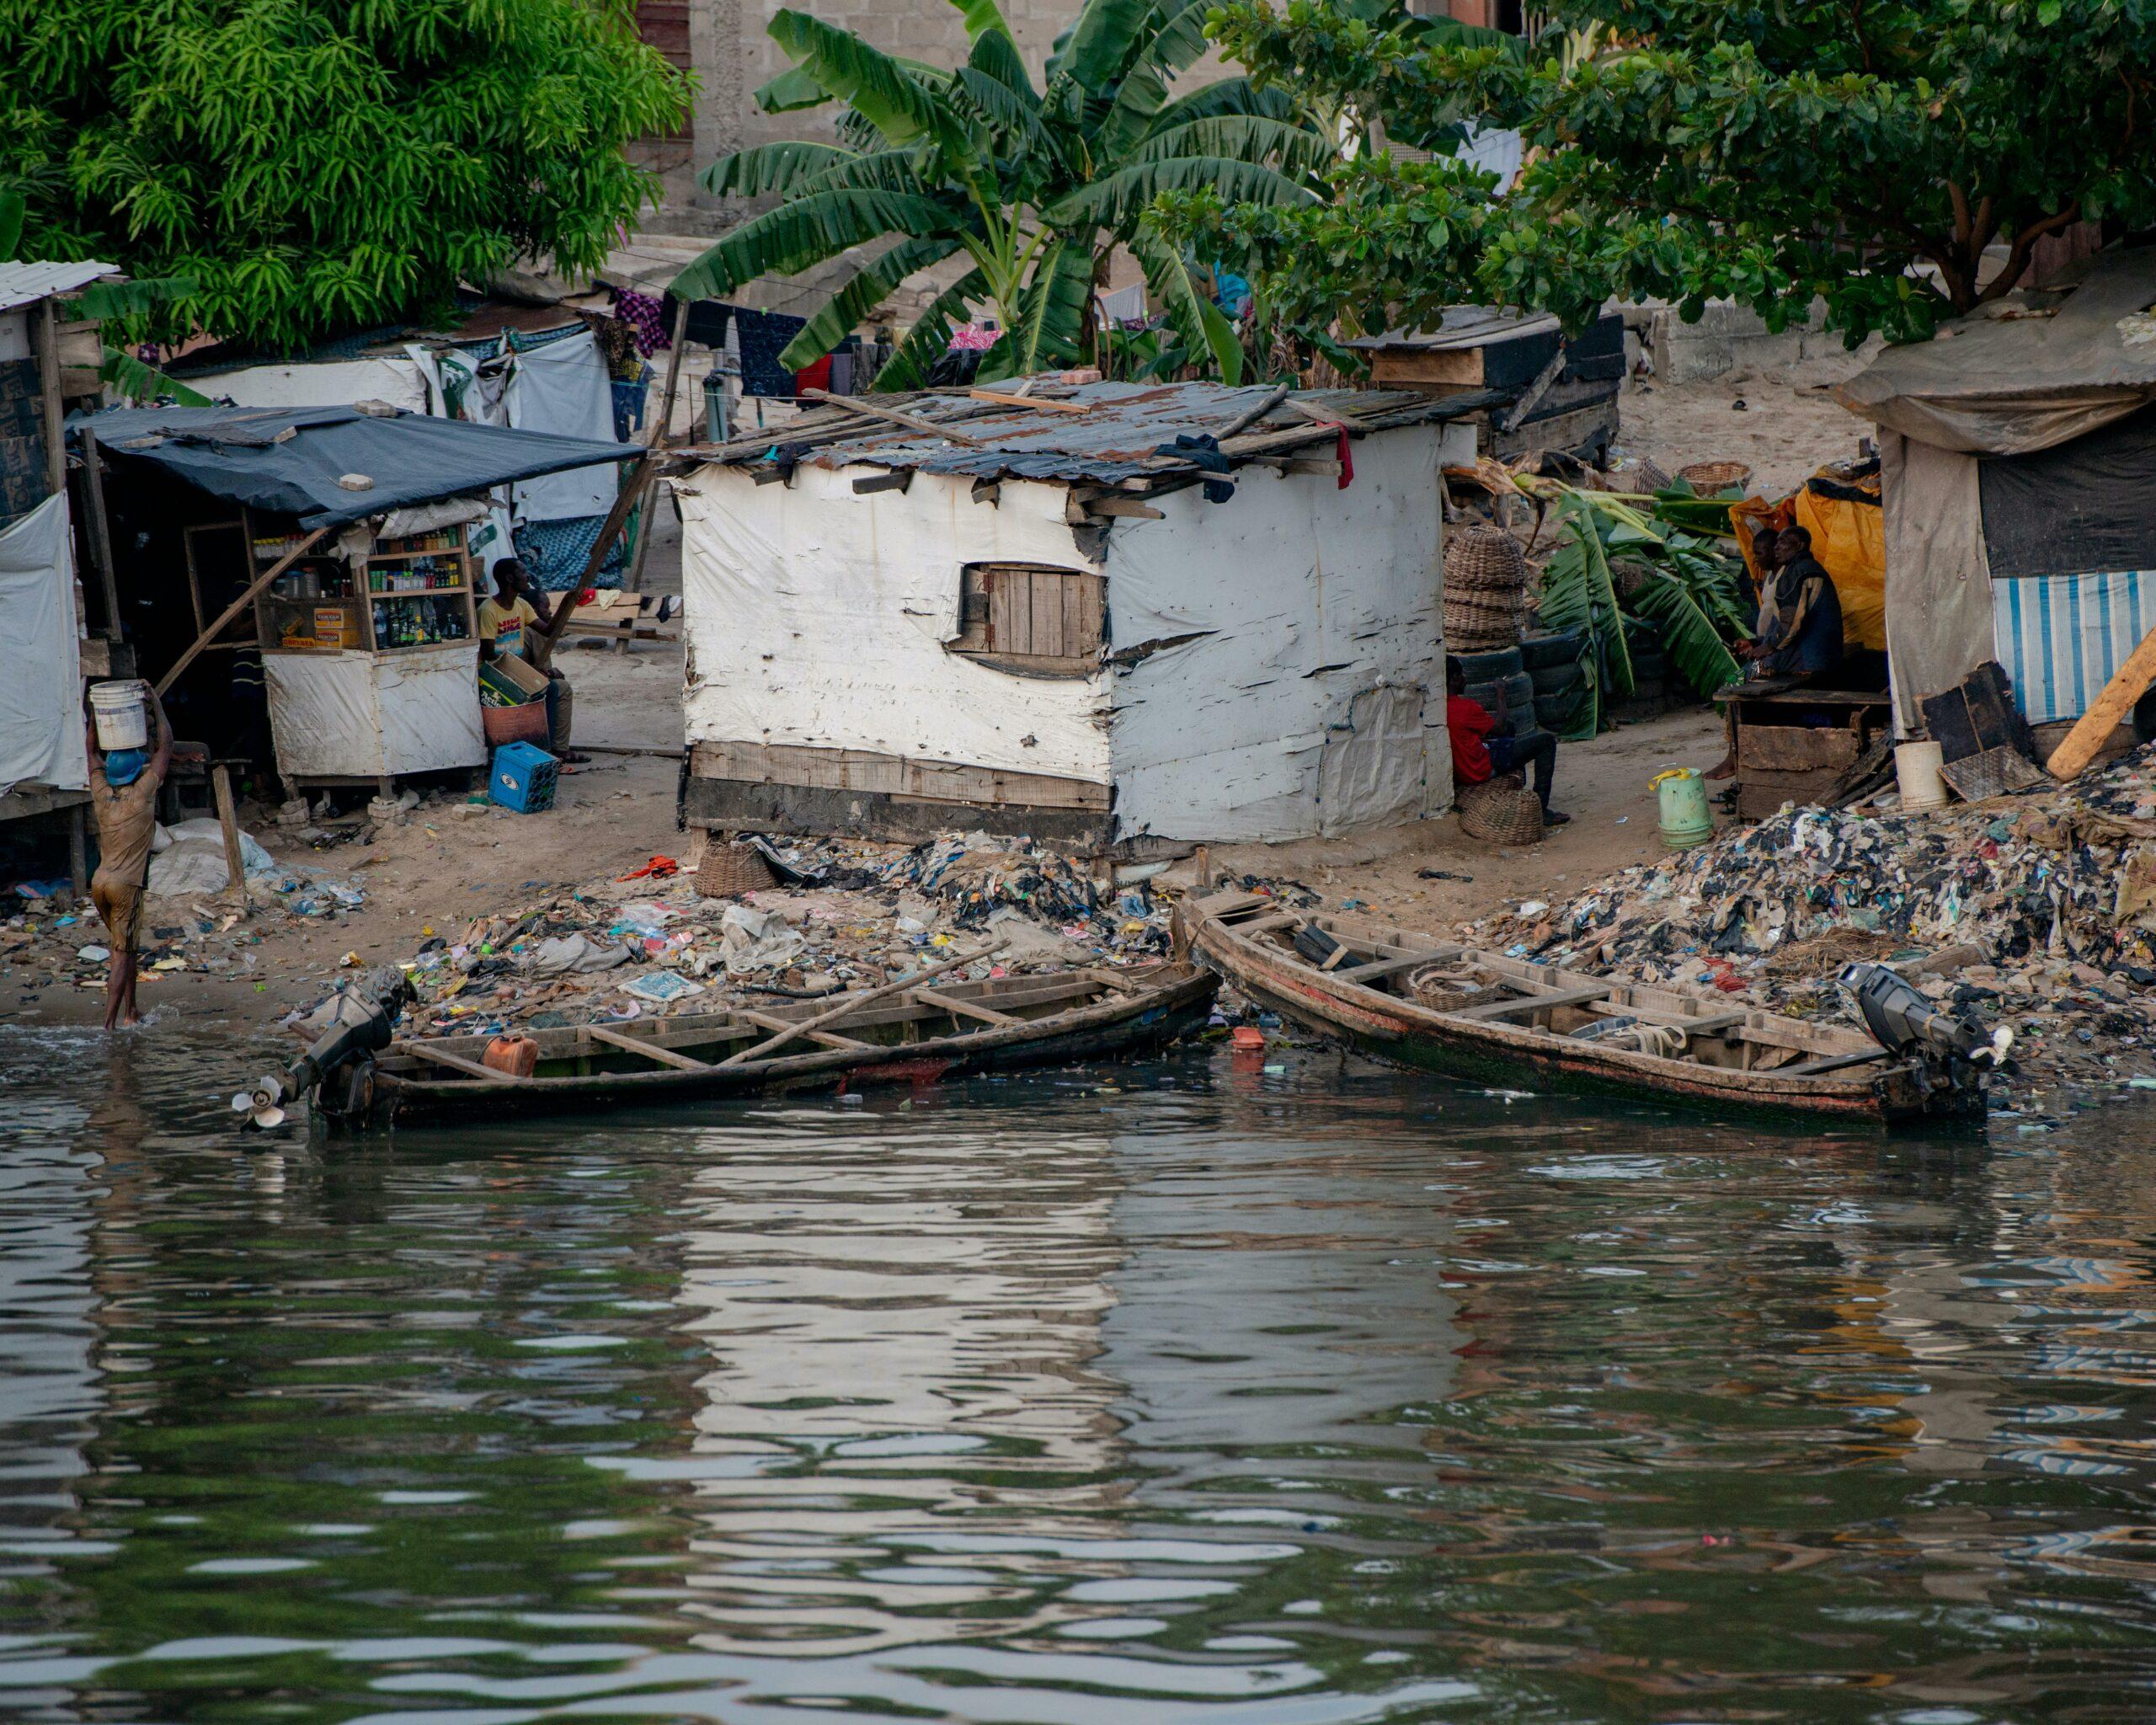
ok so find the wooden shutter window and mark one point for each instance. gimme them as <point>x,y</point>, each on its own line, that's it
<point>1031,619</point>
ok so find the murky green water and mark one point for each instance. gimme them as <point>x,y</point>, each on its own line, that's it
<point>1179,1394</point>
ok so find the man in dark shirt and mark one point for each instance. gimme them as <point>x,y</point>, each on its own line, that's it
<point>1799,614</point>
<point>1481,748</point>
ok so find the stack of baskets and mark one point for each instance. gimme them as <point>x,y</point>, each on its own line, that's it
<point>1485,589</point>
<point>1502,811</point>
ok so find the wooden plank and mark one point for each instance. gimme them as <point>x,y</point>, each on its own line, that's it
<point>1460,367</point>
<point>51,406</point>
<point>1003,400</point>
<point>1491,1009</point>
<point>1092,605</point>
<point>664,1056</point>
<point>2110,706</point>
<point>890,774</point>
<point>823,1038</point>
<point>1131,507</point>
<point>100,535</point>
<point>221,781</point>
<point>1385,967</point>
<point>964,1009</point>
<point>846,1008</point>
<point>1788,748</point>
<point>899,479</point>
<point>1832,1063</point>
<point>420,1050</point>
<point>912,422</point>
<point>1071,590</point>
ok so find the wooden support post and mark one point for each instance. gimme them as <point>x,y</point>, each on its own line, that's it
<point>101,540</point>
<point>221,782</point>
<point>633,581</point>
<point>78,848</point>
<point>48,369</point>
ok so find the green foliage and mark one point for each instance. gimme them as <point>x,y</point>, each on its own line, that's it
<point>1691,592</point>
<point>1689,149</point>
<point>1036,187</point>
<point>316,166</point>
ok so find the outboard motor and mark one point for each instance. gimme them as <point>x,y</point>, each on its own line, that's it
<point>362,1023</point>
<point>1900,1019</point>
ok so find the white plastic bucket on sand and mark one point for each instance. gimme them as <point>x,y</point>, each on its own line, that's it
<point>123,722</point>
<point>1916,771</point>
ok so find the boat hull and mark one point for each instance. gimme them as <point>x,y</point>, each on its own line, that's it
<point>1116,1029</point>
<point>1390,1029</point>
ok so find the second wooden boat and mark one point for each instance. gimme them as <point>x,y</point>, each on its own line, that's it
<point>906,1032</point>
<point>1413,998</point>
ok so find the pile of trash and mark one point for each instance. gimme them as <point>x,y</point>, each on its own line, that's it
<point>843,915</point>
<point>2037,910</point>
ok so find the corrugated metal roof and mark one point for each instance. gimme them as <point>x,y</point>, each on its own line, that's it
<point>1464,326</point>
<point>1124,431</point>
<point>25,283</point>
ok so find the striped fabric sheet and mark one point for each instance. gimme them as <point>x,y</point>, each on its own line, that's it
<point>2061,637</point>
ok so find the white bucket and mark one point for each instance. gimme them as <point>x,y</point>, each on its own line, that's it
<point>1916,771</point>
<point>123,722</point>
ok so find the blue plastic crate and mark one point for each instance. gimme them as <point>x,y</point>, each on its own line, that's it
<point>522,779</point>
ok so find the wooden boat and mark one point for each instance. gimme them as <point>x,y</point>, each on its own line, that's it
<point>904,1033</point>
<point>1422,1001</point>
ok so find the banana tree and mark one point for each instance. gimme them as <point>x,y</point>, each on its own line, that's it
<point>1032,188</point>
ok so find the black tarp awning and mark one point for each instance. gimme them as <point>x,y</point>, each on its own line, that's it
<point>236,453</point>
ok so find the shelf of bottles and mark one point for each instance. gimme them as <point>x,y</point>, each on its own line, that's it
<point>417,593</point>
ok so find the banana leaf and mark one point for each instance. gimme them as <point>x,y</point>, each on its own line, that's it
<point>1578,591</point>
<point>1687,632</point>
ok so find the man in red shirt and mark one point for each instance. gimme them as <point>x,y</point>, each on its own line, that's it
<point>1482,748</point>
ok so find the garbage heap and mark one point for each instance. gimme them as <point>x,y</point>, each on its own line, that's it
<point>2041,906</point>
<point>842,915</point>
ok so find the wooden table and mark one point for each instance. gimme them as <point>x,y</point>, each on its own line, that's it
<point>1792,742</point>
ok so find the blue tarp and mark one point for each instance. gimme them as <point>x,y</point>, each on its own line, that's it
<point>235,453</point>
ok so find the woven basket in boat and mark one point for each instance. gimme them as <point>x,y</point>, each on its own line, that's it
<point>728,870</point>
<point>1502,812</point>
<point>1707,478</point>
<point>1435,990</point>
<point>1479,558</point>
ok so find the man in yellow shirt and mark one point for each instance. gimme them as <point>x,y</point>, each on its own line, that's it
<point>508,619</point>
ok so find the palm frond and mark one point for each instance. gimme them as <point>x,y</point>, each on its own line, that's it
<point>1579,592</point>
<point>112,301</point>
<point>769,168</point>
<point>1118,200</point>
<point>1054,318</point>
<point>12,206</point>
<point>929,337</point>
<point>1241,137</point>
<point>791,91</point>
<point>1231,95</point>
<point>140,382</point>
<point>1013,116</point>
<point>879,89</point>
<point>996,55</point>
<point>983,17</point>
<point>1143,90</point>
<point>868,289</point>
<point>1688,632</point>
<point>1186,304</point>
<point>805,231</point>
<point>1100,42</point>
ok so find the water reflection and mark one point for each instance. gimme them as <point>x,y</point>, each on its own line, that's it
<point>1166,1395</point>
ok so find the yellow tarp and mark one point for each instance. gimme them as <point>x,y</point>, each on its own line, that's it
<point>1847,538</point>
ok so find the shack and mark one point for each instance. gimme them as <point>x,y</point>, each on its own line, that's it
<point>1552,393</point>
<point>308,568</point>
<point>1115,615</point>
<point>47,644</point>
<point>2018,458</point>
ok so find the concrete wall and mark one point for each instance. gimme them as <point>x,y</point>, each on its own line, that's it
<point>1730,340</point>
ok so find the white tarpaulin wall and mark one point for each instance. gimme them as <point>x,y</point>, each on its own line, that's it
<point>818,618</point>
<point>562,387</point>
<point>1289,676</point>
<point>1310,695</point>
<point>333,384</point>
<point>41,666</point>
<point>336,715</point>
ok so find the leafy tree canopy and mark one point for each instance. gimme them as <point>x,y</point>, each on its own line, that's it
<point>1689,149</point>
<point>1033,187</point>
<point>316,166</point>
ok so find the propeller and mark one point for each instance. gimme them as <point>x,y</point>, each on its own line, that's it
<point>262,1105</point>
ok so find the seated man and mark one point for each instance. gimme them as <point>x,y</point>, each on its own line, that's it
<point>1481,748</point>
<point>1799,614</point>
<point>508,622</point>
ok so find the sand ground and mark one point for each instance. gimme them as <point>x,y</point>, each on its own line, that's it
<point>440,868</point>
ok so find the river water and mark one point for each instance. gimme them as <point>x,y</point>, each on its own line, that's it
<point>1172,1395</point>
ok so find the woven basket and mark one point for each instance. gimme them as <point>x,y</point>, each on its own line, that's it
<point>1707,478</point>
<point>1478,621</point>
<point>1480,558</point>
<point>729,870</point>
<point>1502,812</point>
<point>1438,993</point>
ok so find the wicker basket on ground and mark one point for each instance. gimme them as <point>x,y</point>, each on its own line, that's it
<point>1502,811</point>
<point>728,871</point>
<point>1709,478</point>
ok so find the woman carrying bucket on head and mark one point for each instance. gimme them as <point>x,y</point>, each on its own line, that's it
<point>130,742</point>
